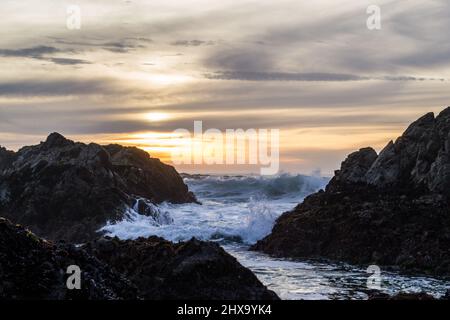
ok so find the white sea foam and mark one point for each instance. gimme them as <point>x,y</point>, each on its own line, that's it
<point>238,211</point>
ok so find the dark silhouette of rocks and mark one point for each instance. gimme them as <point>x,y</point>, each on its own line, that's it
<point>61,189</point>
<point>32,268</point>
<point>391,209</point>
<point>193,270</point>
<point>6,158</point>
<point>418,161</point>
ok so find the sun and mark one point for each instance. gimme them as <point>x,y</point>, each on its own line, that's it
<point>157,116</point>
<point>168,79</point>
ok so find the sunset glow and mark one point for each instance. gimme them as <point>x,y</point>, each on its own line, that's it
<point>136,71</point>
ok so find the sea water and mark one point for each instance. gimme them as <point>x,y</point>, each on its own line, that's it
<point>237,211</point>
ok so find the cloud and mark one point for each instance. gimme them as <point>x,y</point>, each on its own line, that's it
<point>310,77</point>
<point>33,52</point>
<point>68,61</point>
<point>118,46</point>
<point>57,87</point>
<point>42,53</point>
<point>192,43</point>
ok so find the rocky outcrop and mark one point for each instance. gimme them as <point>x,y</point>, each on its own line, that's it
<point>193,270</point>
<point>32,268</point>
<point>418,161</point>
<point>61,189</point>
<point>391,209</point>
<point>6,158</point>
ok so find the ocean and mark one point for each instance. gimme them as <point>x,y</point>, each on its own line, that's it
<point>237,211</point>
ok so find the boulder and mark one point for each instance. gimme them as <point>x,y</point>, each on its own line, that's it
<point>111,269</point>
<point>6,158</point>
<point>392,209</point>
<point>417,161</point>
<point>32,268</point>
<point>65,190</point>
<point>193,270</point>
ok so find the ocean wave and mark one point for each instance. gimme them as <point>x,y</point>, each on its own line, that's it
<point>239,209</point>
<point>243,188</point>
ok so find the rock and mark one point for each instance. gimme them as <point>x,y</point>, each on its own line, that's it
<point>111,269</point>
<point>390,210</point>
<point>447,295</point>
<point>66,190</point>
<point>193,270</point>
<point>355,167</point>
<point>148,177</point>
<point>31,268</point>
<point>400,296</point>
<point>418,160</point>
<point>6,158</point>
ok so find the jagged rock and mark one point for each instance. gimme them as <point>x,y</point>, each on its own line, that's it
<point>192,270</point>
<point>61,189</point>
<point>418,160</point>
<point>6,158</point>
<point>420,296</point>
<point>391,210</point>
<point>32,268</point>
<point>355,167</point>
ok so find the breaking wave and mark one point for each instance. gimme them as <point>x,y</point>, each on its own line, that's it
<point>235,209</point>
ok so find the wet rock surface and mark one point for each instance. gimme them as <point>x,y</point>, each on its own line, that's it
<point>190,270</point>
<point>61,189</point>
<point>392,209</point>
<point>32,268</point>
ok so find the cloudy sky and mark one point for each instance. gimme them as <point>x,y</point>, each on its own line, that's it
<point>137,70</point>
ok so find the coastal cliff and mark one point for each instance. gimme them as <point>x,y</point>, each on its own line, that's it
<point>389,209</point>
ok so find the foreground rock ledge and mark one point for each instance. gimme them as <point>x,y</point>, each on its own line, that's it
<point>64,190</point>
<point>191,270</point>
<point>32,268</point>
<point>389,209</point>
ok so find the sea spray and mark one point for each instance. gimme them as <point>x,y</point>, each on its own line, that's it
<point>259,220</point>
<point>235,209</point>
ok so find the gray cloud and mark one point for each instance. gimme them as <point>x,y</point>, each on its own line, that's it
<point>33,52</point>
<point>68,61</point>
<point>42,53</point>
<point>118,46</point>
<point>192,43</point>
<point>310,77</point>
<point>58,87</point>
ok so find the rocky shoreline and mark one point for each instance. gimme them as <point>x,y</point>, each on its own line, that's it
<point>111,269</point>
<point>67,191</point>
<point>63,190</point>
<point>389,209</point>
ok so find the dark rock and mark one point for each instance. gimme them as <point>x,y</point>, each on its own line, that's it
<point>391,210</point>
<point>6,158</point>
<point>447,295</point>
<point>418,160</point>
<point>66,190</point>
<point>32,268</point>
<point>192,270</point>
<point>355,167</point>
<point>421,296</point>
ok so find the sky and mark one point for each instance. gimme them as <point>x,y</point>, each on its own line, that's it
<point>137,70</point>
